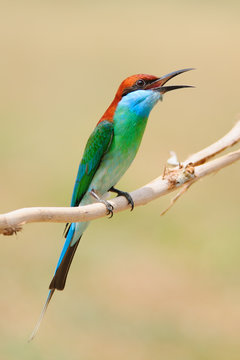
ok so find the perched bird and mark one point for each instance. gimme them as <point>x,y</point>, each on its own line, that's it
<point>109,152</point>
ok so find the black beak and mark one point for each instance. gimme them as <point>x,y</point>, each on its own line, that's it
<point>164,89</point>
<point>158,84</point>
<point>167,77</point>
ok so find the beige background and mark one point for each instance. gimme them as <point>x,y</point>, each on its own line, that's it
<point>141,286</point>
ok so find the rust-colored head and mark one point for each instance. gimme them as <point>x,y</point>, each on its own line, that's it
<point>141,82</point>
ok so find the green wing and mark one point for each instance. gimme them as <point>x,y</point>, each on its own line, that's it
<point>96,147</point>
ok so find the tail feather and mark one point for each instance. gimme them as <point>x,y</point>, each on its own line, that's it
<point>60,276</point>
<point>50,294</point>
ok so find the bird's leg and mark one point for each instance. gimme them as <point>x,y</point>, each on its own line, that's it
<point>124,194</point>
<point>106,203</point>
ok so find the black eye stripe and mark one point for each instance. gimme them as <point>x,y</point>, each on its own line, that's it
<point>137,87</point>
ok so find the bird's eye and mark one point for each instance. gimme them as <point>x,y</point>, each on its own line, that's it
<point>140,83</point>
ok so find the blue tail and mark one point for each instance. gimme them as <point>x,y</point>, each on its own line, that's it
<point>65,260</point>
<point>61,272</point>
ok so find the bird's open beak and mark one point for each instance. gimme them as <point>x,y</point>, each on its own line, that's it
<point>158,84</point>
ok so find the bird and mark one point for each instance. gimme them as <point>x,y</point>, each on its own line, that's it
<point>109,152</point>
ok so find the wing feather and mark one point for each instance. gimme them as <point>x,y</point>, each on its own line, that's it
<point>97,145</point>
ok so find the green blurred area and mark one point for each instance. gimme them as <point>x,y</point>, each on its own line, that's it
<point>141,286</point>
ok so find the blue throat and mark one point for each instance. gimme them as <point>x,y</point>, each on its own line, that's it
<point>140,102</point>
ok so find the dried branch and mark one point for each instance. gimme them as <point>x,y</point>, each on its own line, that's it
<point>230,139</point>
<point>190,171</point>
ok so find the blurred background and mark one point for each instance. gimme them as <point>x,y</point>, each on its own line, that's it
<point>141,286</point>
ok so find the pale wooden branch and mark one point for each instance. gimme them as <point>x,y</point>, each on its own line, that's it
<point>191,170</point>
<point>230,139</point>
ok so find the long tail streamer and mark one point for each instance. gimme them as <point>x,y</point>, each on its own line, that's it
<point>50,294</point>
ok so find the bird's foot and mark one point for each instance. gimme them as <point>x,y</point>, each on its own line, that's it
<point>124,194</point>
<point>109,206</point>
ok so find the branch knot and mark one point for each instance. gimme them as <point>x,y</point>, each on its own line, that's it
<point>179,176</point>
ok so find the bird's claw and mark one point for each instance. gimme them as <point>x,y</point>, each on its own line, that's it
<point>109,206</point>
<point>124,194</point>
<point>128,198</point>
